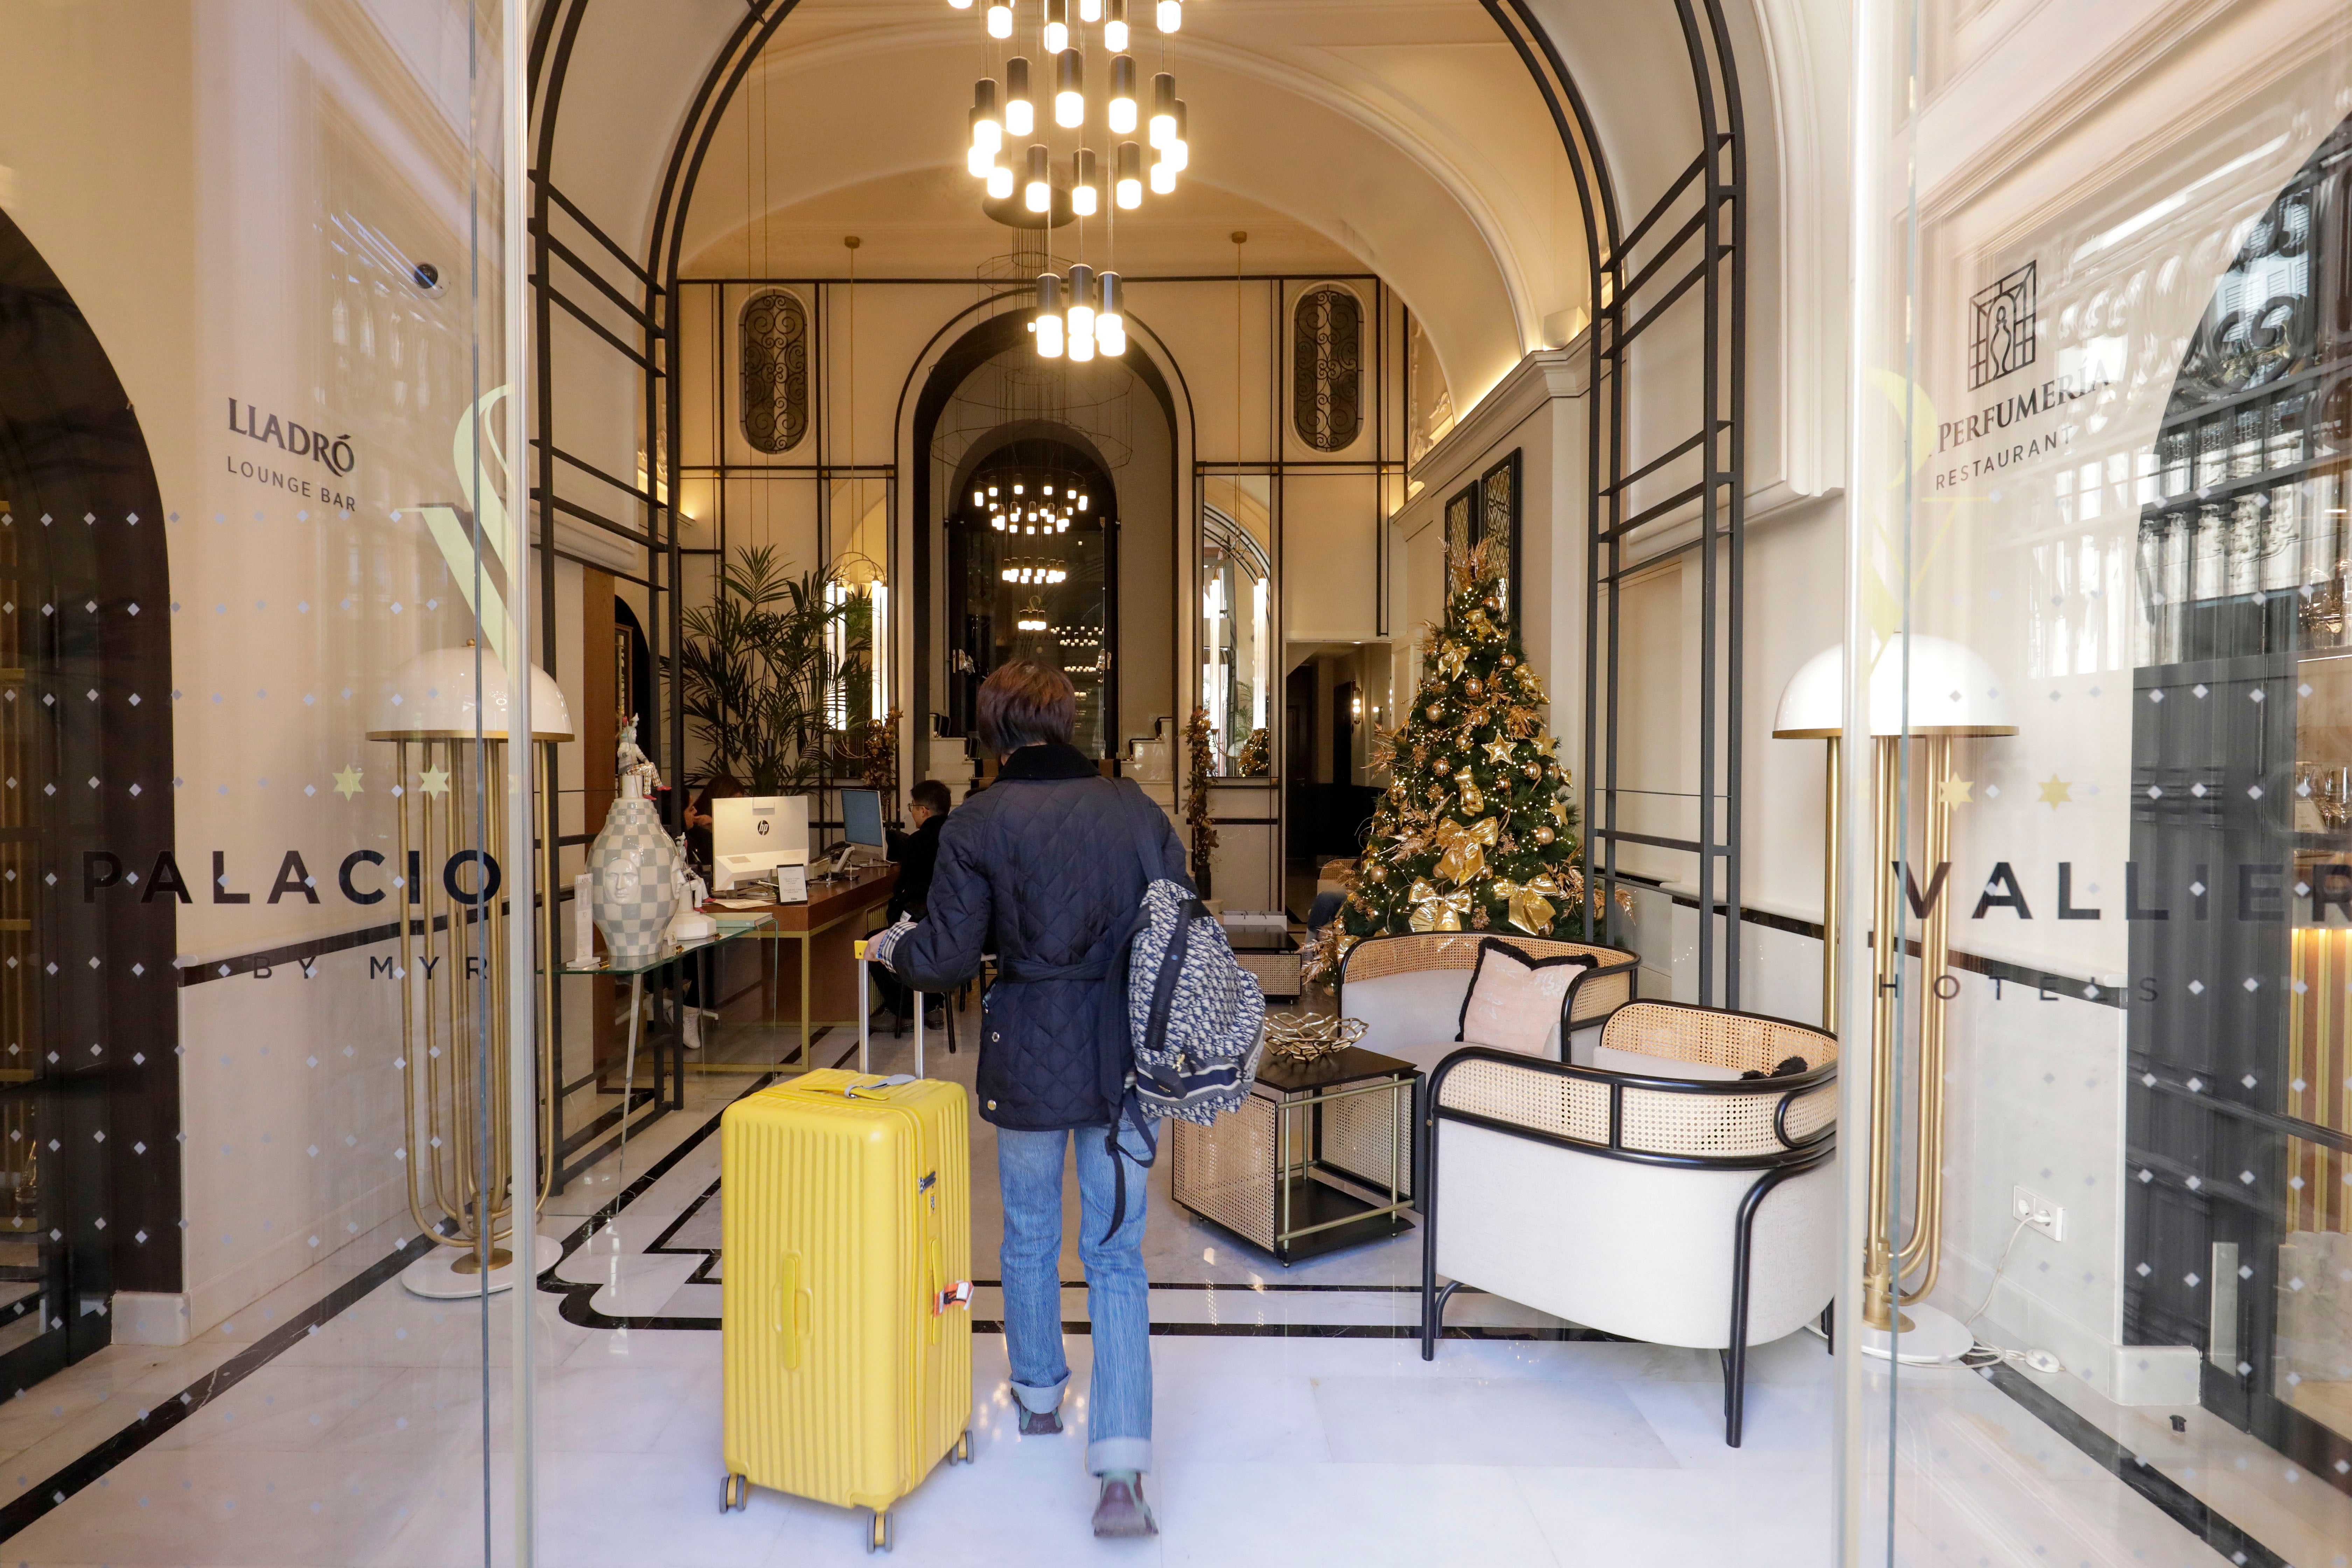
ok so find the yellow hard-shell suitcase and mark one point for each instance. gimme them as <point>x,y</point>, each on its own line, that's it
<point>847,1219</point>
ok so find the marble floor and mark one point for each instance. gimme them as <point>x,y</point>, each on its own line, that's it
<point>342,1422</point>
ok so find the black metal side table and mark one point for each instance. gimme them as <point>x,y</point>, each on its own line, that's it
<point>1309,1165</point>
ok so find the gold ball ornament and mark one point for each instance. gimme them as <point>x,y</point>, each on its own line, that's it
<point>1494,601</point>
<point>1378,874</point>
<point>1436,711</point>
<point>1533,770</point>
<point>1510,659</point>
<point>1474,688</point>
<point>1544,834</point>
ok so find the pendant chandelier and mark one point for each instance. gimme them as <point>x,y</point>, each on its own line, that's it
<point>1078,313</point>
<point>1031,506</point>
<point>1035,570</point>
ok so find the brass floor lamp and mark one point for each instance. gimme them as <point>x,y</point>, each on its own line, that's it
<point>449,779</point>
<point>1953,693</point>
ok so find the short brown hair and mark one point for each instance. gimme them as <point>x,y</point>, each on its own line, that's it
<point>1024,702</point>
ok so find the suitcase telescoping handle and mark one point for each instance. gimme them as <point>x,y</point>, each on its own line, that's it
<point>794,1302</point>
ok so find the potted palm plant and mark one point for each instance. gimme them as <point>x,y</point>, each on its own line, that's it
<point>763,661</point>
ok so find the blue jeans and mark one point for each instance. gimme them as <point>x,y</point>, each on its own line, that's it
<point>1119,1403</point>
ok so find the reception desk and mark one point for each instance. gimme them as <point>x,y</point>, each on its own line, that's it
<point>821,990</point>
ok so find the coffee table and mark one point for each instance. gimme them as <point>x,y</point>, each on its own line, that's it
<point>1308,1164</point>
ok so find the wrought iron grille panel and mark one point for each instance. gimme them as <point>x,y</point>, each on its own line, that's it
<point>775,371</point>
<point>1327,369</point>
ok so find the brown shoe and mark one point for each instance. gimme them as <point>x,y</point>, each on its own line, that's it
<point>1041,1423</point>
<point>1121,1510</point>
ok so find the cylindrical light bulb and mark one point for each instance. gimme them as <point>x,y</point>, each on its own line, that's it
<point>961,5</point>
<point>1127,187</point>
<point>1069,90</point>
<point>1057,25</point>
<point>1090,10</point>
<point>1000,182</point>
<point>1082,347</point>
<point>1110,329</point>
<point>1020,108</point>
<point>1164,109</point>
<point>1115,27</point>
<point>1000,19</point>
<point>1178,150</point>
<point>1122,95</point>
<point>1048,325</point>
<point>979,161</point>
<point>1086,185</point>
<point>1171,16</point>
<point>1038,195</point>
<point>1164,178</point>
<point>984,111</point>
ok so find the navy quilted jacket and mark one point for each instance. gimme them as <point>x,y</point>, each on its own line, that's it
<point>1041,870</point>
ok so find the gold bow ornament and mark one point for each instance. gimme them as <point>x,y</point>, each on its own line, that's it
<point>1451,658</point>
<point>1531,902</point>
<point>1465,850</point>
<point>1433,911</point>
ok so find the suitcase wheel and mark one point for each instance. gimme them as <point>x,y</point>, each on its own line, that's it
<point>877,1538</point>
<point>736,1493</point>
<point>962,1453</point>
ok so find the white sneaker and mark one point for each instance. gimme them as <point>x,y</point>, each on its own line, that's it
<point>694,1028</point>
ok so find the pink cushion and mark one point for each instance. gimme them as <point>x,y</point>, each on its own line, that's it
<point>1514,1002</point>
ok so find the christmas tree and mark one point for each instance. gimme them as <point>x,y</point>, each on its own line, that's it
<point>1477,830</point>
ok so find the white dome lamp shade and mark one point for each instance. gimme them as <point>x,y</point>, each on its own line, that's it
<point>1954,691</point>
<point>432,696</point>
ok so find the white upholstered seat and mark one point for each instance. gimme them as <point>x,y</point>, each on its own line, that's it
<point>1672,1209</point>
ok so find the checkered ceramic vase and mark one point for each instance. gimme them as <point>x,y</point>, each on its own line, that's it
<point>635,867</point>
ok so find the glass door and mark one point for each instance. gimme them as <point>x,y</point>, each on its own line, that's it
<point>2100,887</point>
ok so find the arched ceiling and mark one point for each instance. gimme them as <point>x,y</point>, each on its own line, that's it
<point>1402,137</point>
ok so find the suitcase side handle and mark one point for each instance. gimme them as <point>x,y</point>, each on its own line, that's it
<point>866,1090</point>
<point>795,1306</point>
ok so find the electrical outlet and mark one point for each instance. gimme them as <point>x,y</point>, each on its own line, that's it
<point>2038,1212</point>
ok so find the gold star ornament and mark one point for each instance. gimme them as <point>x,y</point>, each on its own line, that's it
<point>434,781</point>
<point>2056,792</point>
<point>1954,791</point>
<point>347,782</point>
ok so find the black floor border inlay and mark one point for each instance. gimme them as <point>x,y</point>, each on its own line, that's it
<point>2175,1501</point>
<point>156,1420</point>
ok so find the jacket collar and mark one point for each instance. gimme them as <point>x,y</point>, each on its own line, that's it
<point>1047,761</point>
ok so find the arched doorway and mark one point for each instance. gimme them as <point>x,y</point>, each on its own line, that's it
<point>89,1170</point>
<point>1032,575</point>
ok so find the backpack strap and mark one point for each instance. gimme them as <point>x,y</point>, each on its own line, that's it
<point>1143,826</point>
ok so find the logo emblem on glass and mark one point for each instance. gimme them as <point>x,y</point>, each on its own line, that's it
<point>2000,331</point>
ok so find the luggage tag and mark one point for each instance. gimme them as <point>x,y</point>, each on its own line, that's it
<point>955,1295</point>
